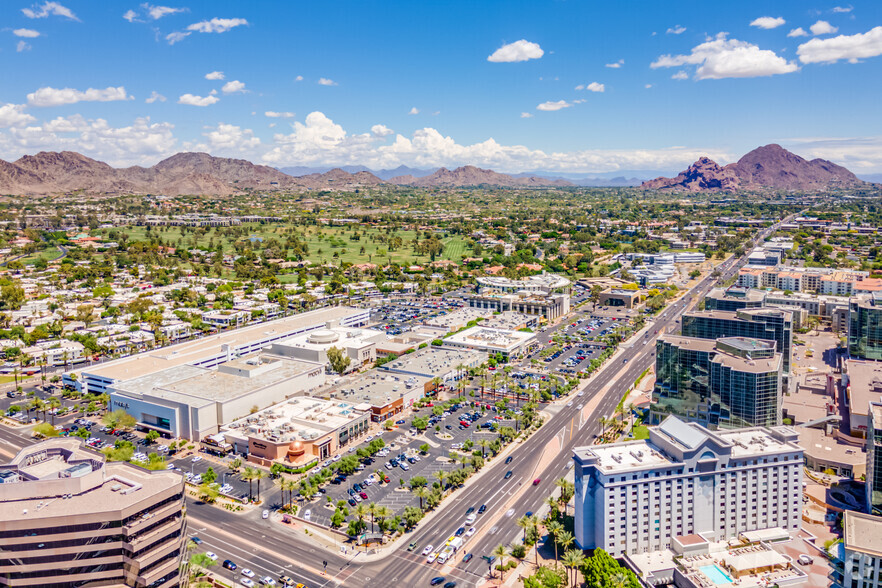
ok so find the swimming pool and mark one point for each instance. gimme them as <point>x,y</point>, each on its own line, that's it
<point>716,574</point>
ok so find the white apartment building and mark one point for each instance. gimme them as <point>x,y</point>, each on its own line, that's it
<point>858,561</point>
<point>56,353</point>
<point>636,496</point>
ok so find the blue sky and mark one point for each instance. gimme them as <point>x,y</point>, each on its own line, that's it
<point>578,86</point>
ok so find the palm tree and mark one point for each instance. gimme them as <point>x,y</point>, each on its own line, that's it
<point>249,474</point>
<point>53,403</point>
<point>501,552</point>
<point>620,580</point>
<point>261,474</point>
<point>383,513</point>
<point>554,528</point>
<point>631,409</point>
<point>525,523</point>
<point>361,511</point>
<point>372,509</point>
<point>442,476</point>
<point>567,490</point>
<point>483,443</point>
<point>554,505</point>
<point>603,423</point>
<point>573,560</point>
<point>421,492</point>
<point>563,538</point>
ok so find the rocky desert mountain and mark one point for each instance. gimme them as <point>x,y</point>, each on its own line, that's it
<point>768,167</point>
<point>201,173</point>
<point>183,173</point>
<point>470,175</point>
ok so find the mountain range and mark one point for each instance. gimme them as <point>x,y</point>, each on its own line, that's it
<point>767,167</point>
<point>199,173</point>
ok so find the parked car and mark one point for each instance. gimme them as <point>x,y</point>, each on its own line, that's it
<point>229,564</point>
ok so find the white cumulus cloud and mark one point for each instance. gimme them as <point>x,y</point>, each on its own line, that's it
<point>192,100</point>
<point>822,27</point>
<point>214,75</point>
<point>155,97</point>
<point>272,114</point>
<point>526,115</point>
<point>326,82</point>
<point>157,12</point>
<point>842,9</point>
<point>217,25</point>
<point>227,138</point>
<point>298,79</point>
<point>616,64</point>
<point>48,8</point>
<point>676,30</point>
<point>13,115</point>
<point>142,142</point>
<point>26,33</point>
<point>522,50</point>
<point>414,110</point>
<point>680,75</point>
<point>381,131</point>
<point>847,47</point>
<point>719,58</point>
<point>58,96</point>
<point>767,22</point>
<point>130,15</point>
<point>552,106</point>
<point>595,87</point>
<point>797,32</point>
<point>233,86</point>
<point>22,46</point>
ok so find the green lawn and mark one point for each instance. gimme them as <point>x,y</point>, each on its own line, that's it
<point>641,432</point>
<point>323,242</point>
<point>47,254</point>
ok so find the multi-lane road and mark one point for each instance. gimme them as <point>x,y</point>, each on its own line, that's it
<point>267,548</point>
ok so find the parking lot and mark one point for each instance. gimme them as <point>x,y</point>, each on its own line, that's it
<point>400,443</point>
<point>397,316</point>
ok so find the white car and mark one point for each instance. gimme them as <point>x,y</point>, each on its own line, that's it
<point>247,573</point>
<point>581,394</point>
<point>428,550</point>
<point>306,515</point>
<point>265,514</point>
<point>471,519</point>
<point>470,532</point>
<point>267,581</point>
<point>432,557</point>
<point>211,556</point>
<point>570,403</point>
<point>247,582</point>
<point>196,458</point>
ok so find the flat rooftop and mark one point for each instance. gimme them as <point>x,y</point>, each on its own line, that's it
<point>123,485</point>
<point>630,455</point>
<point>458,317</point>
<point>297,419</point>
<point>322,339</point>
<point>197,350</point>
<point>492,338</point>
<point>197,386</point>
<point>733,361</point>
<point>864,384</point>
<point>754,441</point>
<point>381,388</point>
<point>863,532</point>
<point>435,361</point>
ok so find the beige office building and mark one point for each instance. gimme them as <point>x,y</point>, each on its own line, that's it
<point>67,518</point>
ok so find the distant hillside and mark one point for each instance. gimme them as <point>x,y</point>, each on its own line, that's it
<point>767,167</point>
<point>183,173</point>
<point>470,175</point>
<point>383,174</point>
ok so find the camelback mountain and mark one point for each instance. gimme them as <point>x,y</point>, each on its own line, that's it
<point>768,167</point>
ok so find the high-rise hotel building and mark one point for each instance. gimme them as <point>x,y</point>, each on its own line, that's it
<point>634,497</point>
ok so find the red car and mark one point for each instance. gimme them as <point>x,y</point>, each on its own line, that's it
<point>536,481</point>
<point>464,423</point>
<point>364,494</point>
